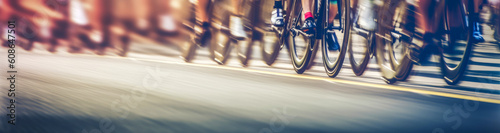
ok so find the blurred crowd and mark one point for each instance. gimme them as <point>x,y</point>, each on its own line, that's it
<point>94,24</point>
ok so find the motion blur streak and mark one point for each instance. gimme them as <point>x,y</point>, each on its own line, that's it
<point>390,87</point>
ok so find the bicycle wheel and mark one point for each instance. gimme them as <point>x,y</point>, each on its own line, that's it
<point>270,41</point>
<point>454,61</point>
<point>220,47</point>
<point>334,59</point>
<point>300,47</point>
<point>270,46</point>
<point>359,51</point>
<point>188,47</point>
<point>244,48</point>
<point>391,47</point>
<point>251,20</point>
<point>360,43</point>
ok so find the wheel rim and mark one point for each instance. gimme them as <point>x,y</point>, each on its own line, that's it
<point>220,47</point>
<point>393,63</point>
<point>188,48</point>
<point>456,49</point>
<point>299,45</point>
<point>333,59</point>
<point>454,46</point>
<point>244,49</point>
<point>270,47</point>
<point>360,41</point>
<point>396,47</point>
<point>221,42</point>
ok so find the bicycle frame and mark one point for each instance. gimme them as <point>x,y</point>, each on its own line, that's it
<point>319,8</point>
<point>324,5</point>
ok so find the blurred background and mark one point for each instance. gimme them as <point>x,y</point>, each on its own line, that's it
<point>99,25</point>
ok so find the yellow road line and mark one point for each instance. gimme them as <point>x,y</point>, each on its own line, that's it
<point>381,86</point>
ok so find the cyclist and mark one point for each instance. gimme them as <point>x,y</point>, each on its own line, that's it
<point>416,53</point>
<point>309,24</point>
<point>367,11</point>
<point>494,4</point>
<point>235,26</point>
<point>493,20</point>
<point>478,37</point>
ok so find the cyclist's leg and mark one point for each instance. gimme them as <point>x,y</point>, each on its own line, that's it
<point>236,25</point>
<point>477,34</point>
<point>306,8</point>
<point>354,4</point>
<point>333,11</point>
<point>455,15</point>
<point>201,12</point>
<point>331,37</point>
<point>425,9</point>
<point>237,7</point>
<point>277,14</point>
<point>424,19</point>
<point>367,14</point>
<point>477,5</point>
<point>309,25</point>
<point>202,32</point>
<point>495,5</point>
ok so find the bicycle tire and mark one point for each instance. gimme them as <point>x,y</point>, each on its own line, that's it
<point>270,56</point>
<point>189,46</point>
<point>300,64</point>
<point>244,49</point>
<point>270,41</point>
<point>391,69</point>
<point>358,68</point>
<point>453,75</point>
<point>332,68</point>
<point>220,46</point>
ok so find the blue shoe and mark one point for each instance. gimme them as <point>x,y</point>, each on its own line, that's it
<point>476,33</point>
<point>421,54</point>
<point>332,41</point>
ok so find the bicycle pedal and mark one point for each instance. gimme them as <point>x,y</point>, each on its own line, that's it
<point>305,34</point>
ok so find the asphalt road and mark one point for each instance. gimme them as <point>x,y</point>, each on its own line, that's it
<point>152,90</point>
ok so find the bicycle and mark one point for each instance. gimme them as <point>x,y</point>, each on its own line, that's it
<point>333,60</point>
<point>219,42</point>
<point>397,23</point>
<point>368,38</point>
<point>253,20</point>
<point>361,44</point>
<point>291,33</point>
<point>271,48</point>
<point>273,40</point>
